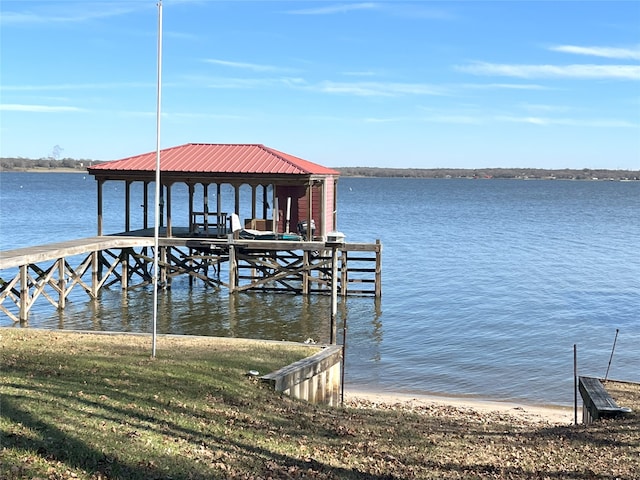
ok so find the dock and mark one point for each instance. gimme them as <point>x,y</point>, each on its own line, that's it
<point>54,270</point>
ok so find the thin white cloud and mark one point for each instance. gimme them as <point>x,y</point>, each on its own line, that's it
<point>180,35</point>
<point>531,120</point>
<point>504,86</point>
<point>606,52</point>
<point>379,89</point>
<point>455,119</point>
<point>359,74</point>
<point>74,86</point>
<point>621,72</point>
<point>418,11</point>
<point>541,115</point>
<point>221,82</point>
<point>404,10</point>
<point>384,120</point>
<point>536,107</point>
<point>334,9</point>
<point>204,116</point>
<point>246,83</point>
<point>569,122</point>
<point>178,116</point>
<point>72,12</point>
<point>16,107</point>
<point>255,67</point>
<point>360,89</point>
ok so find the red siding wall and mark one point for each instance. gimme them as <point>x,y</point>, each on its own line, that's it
<point>321,213</point>
<point>298,201</point>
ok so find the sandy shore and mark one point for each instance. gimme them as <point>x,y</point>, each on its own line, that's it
<point>526,413</point>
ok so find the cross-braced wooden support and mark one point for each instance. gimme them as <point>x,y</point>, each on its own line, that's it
<point>296,272</point>
<point>306,268</point>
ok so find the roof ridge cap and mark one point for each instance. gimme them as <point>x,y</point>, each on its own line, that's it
<point>238,144</point>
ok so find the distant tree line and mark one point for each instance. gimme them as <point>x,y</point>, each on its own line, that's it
<point>520,173</point>
<point>22,164</point>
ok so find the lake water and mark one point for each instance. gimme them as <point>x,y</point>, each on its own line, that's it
<point>487,284</point>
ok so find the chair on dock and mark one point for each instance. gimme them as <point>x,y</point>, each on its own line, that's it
<point>209,224</point>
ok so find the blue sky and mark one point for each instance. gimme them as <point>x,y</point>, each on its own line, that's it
<point>426,84</point>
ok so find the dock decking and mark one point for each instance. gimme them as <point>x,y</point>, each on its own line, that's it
<point>53,251</point>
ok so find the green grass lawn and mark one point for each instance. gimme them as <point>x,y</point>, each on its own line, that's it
<point>98,407</point>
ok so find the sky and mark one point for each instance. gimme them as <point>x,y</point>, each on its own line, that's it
<point>407,84</point>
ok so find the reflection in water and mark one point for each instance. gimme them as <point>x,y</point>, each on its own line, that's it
<point>362,330</point>
<point>198,310</point>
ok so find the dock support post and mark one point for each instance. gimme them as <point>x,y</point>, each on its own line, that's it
<point>95,275</point>
<point>191,262</point>
<point>233,270</point>
<point>99,206</point>
<point>24,293</point>
<point>168,207</point>
<point>378,269</point>
<point>127,205</point>
<point>124,268</point>
<point>305,272</point>
<point>62,285</point>
<point>145,205</point>
<point>163,268</point>
<point>253,201</point>
<point>344,274</point>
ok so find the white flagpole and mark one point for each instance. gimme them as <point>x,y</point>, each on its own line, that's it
<point>156,229</point>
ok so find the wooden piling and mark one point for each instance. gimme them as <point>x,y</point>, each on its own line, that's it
<point>62,284</point>
<point>378,281</point>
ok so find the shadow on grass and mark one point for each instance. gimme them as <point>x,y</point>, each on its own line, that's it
<point>53,444</point>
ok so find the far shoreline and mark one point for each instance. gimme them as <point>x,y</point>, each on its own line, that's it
<point>45,170</point>
<point>431,174</point>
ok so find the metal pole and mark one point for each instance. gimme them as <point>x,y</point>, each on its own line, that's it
<point>575,385</point>
<point>611,357</point>
<point>344,358</point>
<point>156,230</point>
<point>334,291</point>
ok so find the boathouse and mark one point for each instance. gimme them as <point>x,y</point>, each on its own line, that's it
<point>287,193</point>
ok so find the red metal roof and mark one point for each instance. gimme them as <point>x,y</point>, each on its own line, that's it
<point>219,158</point>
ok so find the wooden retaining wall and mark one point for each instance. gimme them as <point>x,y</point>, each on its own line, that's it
<point>315,379</point>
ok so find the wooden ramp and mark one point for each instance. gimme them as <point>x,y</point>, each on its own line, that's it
<point>46,270</point>
<point>53,251</point>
